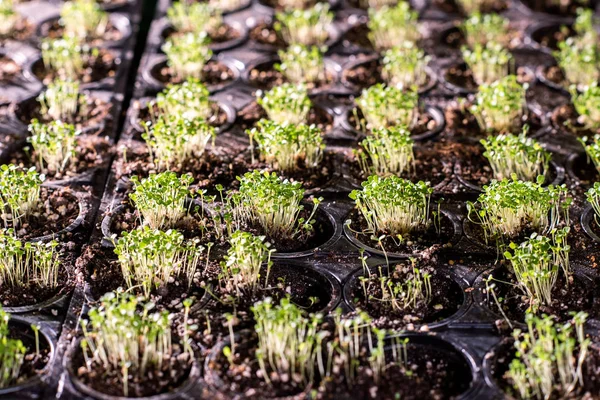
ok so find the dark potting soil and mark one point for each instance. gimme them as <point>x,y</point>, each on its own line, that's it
<point>33,363</point>
<point>550,36</point>
<point>56,30</point>
<point>368,74</point>
<point>585,170</point>
<point>452,7</point>
<point>9,69</point>
<point>555,75</point>
<point>460,122</point>
<point>22,31</point>
<point>95,68</point>
<point>563,9</point>
<point>265,34</point>
<point>253,112</point>
<point>573,295</point>
<point>223,33</point>
<point>425,122</point>
<point>277,6</point>
<point>433,239</point>
<point>265,76</point>
<point>462,77</point>
<point>214,72</point>
<point>358,35</point>
<point>567,119</point>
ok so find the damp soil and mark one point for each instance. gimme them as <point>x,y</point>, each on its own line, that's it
<point>96,68</point>
<point>253,112</point>
<point>9,69</point>
<point>566,8</point>
<point>22,31</point>
<point>264,34</point>
<point>265,76</point>
<point>584,170</point>
<point>33,364</point>
<point>368,73</point>
<point>567,120</point>
<point>425,122</point>
<point>222,34</point>
<point>358,35</point>
<point>550,36</point>
<point>55,30</point>
<point>555,74</point>
<point>214,73</point>
<point>452,6</point>
<point>461,76</point>
<point>454,38</point>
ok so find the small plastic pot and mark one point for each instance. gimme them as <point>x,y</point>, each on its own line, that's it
<point>576,164</point>
<point>266,7</point>
<point>540,74</point>
<point>589,223</point>
<point>457,89</point>
<point>55,302</point>
<point>165,28</point>
<point>535,33</point>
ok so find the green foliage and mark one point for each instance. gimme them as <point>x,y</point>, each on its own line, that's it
<point>387,151</point>
<point>579,61</point>
<point>160,198</point>
<point>549,358</point>
<point>173,140</point>
<point>9,18</point>
<point>195,17</point>
<point>305,27</point>
<point>404,66</point>
<point>392,26</point>
<point>480,29</point>
<point>593,197</point>
<point>54,144</point>
<point>499,105</point>
<point>592,149</point>
<point>149,258</point>
<point>83,19</point>
<point>28,263</point>
<point>302,64</point>
<point>189,100</point>
<point>19,194</point>
<point>66,56</point>
<point>187,54</point>
<point>61,100</point>
<point>584,26</point>
<point>286,104</point>
<point>392,205</point>
<point>284,145</point>
<point>518,155</point>
<point>587,104</point>
<point>488,63</point>
<point>383,106</point>
<point>12,353</point>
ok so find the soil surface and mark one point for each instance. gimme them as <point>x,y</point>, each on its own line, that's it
<point>552,35</point>
<point>425,122</point>
<point>253,112</point>
<point>112,34</point>
<point>585,171</point>
<point>264,76</point>
<point>95,68</point>
<point>358,35</point>
<point>33,363</point>
<point>265,34</point>
<point>452,7</point>
<point>367,74</point>
<point>222,34</point>
<point>214,73</point>
<point>567,120</point>
<point>555,75</point>
<point>566,8</point>
<point>9,69</point>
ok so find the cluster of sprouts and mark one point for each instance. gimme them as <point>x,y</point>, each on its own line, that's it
<point>405,66</point>
<point>383,106</point>
<point>149,258</point>
<point>54,143</point>
<point>187,54</point>
<point>579,61</point>
<point>302,64</point>
<point>272,203</point>
<point>161,198</point>
<point>28,263</point>
<point>9,18</point>
<point>549,357</point>
<point>593,197</point>
<point>61,100</point>
<point>387,151</point>
<point>305,27</point>
<point>189,100</point>
<point>284,145</point>
<point>519,155</point>
<point>393,206</point>
<point>12,353</point>
<point>584,26</point>
<point>592,149</point>
<point>392,26</point>
<point>66,56</point>
<point>19,194</point>
<point>489,62</point>
<point>286,104</point>
<point>480,29</point>
<point>587,104</point>
<point>499,105</point>
<point>194,17</point>
<point>83,19</point>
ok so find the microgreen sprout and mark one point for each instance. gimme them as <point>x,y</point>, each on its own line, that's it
<point>305,27</point>
<point>19,193</point>
<point>273,203</point>
<point>519,155</point>
<point>284,145</point>
<point>195,17</point>
<point>506,207</point>
<point>405,66</point>
<point>302,64</point>
<point>289,343</point>
<point>587,104</point>
<point>592,149</point>
<point>174,140</point>
<point>12,353</point>
<point>66,56</point>
<point>9,18</point>
<point>161,198</point>
<point>479,29</point>
<point>61,100</point>
<point>391,26</point>
<point>187,54</point>
<point>549,358</point>
<point>241,269</point>
<point>499,105</point>
<point>384,106</point>
<point>584,26</point>
<point>392,205</point>
<point>387,151</point>
<point>188,100</point>
<point>83,19</point>
<point>489,62</point>
<point>123,335</point>
<point>54,143</point>
<point>579,61</point>
<point>286,104</point>
<point>149,258</point>
<point>593,197</point>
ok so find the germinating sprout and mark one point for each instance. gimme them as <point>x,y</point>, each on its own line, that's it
<point>127,338</point>
<point>549,358</point>
<point>584,26</point>
<point>518,155</point>
<point>287,103</point>
<point>272,203</point>
<point>195,17</point>
<point>393,206</point>
<point>66,56</point>
<point>289,342</point>
<point>306,27</point>
<point>9,18</point>
<point>160,198</point>
<point>499,106</point>
<point>150,258</point>
<point>392,26</point>
<point>479,29</point>
<point>405,66</point>
<point>19,194</point>
<point>54,144</point>
<point>488,63</point>
<point>592,149</point>
<point>61,100</point>
<point>189,100</point>
<point>387,151</point>
<point>173,140</point>
<point>587,104</point>
<point>241,268</point>
<point>27,263</point>
<point>384,106</point>
<point>506,207</point>
<point>593,197</point>
<point>187,54</point>
<point>537,264</point>
<point>83,19</point>
<point>302,64</point>
<point>283,146</point>
<point>12,353</point>
<point>579,61</point>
